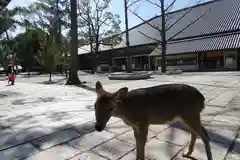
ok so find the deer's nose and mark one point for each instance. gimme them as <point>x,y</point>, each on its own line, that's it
<point>99,127</point>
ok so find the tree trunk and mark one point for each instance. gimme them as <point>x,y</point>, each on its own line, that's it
<point>50,76</point>
<point>129,58</point>
<point>28,70</point>
<point>6,32</point>
<point>73,75</point>
<point>163,37</point>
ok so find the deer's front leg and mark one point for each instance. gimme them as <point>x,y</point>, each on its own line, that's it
<point>140,133</point>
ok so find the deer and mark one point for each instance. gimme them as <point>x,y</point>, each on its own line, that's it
<point>156,105</point>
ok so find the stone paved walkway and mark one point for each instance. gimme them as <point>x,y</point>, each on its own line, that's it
<point>55,122</point>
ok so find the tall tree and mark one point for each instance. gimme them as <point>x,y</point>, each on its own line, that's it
<point>165,7</point>
<point>7,21</point>
<point>27,46</point>
<point>73,74</point>
<point>96,23</point>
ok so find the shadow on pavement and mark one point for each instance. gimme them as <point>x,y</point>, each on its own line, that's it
<point>59,81</point>
<point>17,143</point>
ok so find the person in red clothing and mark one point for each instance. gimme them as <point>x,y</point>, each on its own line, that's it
<point>11,76</point>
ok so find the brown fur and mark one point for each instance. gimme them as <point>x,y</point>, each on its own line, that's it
<point>153,105</point>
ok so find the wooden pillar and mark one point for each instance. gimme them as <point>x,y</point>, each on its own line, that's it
<point>238,59</point>
<point>149,63</point>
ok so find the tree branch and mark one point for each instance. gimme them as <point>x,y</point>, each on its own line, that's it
<point>154,3</point>
<point>150,37</point>
<point>199,1</point>
<point>158,29</point>
<point>103,22</point>
<point>171,38</point>
<point>86,19</point>
<point>170,6</point>
<point>128,6</point>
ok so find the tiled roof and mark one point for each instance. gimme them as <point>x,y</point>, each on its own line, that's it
<point>221,16</point>
<point>227,41</point>
<point>87,49</point>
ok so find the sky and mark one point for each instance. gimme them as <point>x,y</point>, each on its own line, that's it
<point>143,8</point>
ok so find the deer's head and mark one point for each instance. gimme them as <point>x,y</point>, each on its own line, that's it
<point>106,104</point>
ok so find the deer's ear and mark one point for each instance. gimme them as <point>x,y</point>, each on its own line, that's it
<point>99,87</point>
<point>122,93</point>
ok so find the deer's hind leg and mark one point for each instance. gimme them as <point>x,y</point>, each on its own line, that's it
<point>193,122</point>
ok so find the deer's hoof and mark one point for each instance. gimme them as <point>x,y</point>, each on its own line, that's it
<point>186,154</point>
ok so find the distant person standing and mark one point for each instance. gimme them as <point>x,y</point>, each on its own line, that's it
<point>11,75</point>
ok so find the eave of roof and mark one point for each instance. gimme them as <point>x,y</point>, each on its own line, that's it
<point>210,43</point>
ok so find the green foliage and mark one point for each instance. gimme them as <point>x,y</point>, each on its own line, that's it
<point>4,52</point>
<point>48,58</point>
<point>8,20</point>
<point>50,13</point>
<point>27,46</point>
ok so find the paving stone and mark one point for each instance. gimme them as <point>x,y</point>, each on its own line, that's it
<point>160,150</point>
<point>87,115</point>
<point>73,120</point>
<point>235,153</point>
<point>231,93</point>
<point>211,110</point>
<point>174,135</point>
<point>6,115</point>
<point>118,127</point>
<point>88,156</point>
<point>234,104</point>
<point>219,150</point>
<point>223,125</point>
<point>55,139</point>
<point>232,156</point>
<point>60,152</point>
<point>113,120</point>
<point>221,135</point>
<point>207,118</point>
<point>113,149</point>
<point>158,128</point>
<point>231,111</point>
<point>223,98</point>
<point>227,95</point>
<point>5,131</point>
<point>129,156</point>
<point>14,120</point>
<point>90,140</point>
<point>204,91</point>
<point>18,152</point>
<point>217,102</point>
<point>85,127</point>
<point>228,119</point>
<point>129,136</point>
<point>56,126</point>
<point>11,139</point>
<point>211,94</point>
